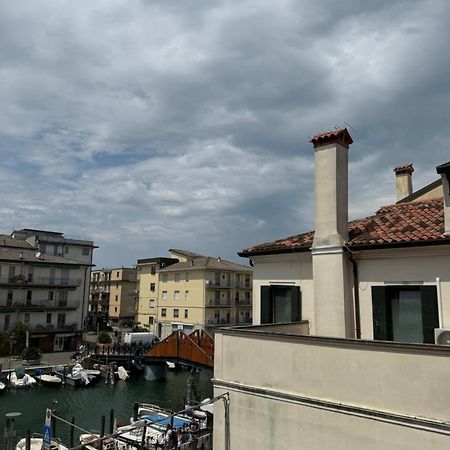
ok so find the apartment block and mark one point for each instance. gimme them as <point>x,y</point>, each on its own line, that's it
<point>44,278</point>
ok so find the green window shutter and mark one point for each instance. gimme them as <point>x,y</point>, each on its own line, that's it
<point>265,304</point>
<point>296,305</point>
<point>430,315</point>
<point>379,311</point>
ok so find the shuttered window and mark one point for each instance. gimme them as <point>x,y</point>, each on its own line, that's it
<point>404,314</point>
<point>280,304</point>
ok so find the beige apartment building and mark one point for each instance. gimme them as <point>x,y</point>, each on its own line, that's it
<point>122,297</point>
<point>148,290</point>
<point>350,343</point>
<point>201,292</point>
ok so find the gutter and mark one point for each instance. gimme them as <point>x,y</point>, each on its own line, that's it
<point>356,295</point>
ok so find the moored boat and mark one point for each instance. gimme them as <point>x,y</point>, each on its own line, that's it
<point>51,380</point>
<point>2,386</point>
<point>20,379</point>
<point>36,444</point>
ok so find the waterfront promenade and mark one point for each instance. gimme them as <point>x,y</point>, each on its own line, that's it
<point>47,359</point>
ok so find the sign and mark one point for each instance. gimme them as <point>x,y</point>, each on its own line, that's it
<point>46,437</point>
<point>48,417</point>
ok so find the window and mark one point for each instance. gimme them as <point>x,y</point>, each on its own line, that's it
<point>405,313</point>
<point>29,295</point>
<point>66,249</point>
<point>247,295</point>
<point>176,312</point>
<point>115,309</point>
<point>152,303</point>
<point>62,297</point>
<point>186,295</point>
<point>9,298</point>
<point>84,251</point>
<point>176,295</point>
<point>187,276</point>
<point>164,295</point>
<point>164,278</point>
<point>7,322</point>
<point>49,318</point>
<point>51,295</point>
<point>26,318</point>
<point>163,312</point>
<point>153,270</point>
<point>177,278</point>
<point>151,320</point>
<point>118,274</point>
<point>61,321</point>
<point>152,287</point>
<point>117,298</point>
<point>280,304</point>
<point>186,313</point>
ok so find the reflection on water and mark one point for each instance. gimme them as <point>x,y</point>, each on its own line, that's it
<point>87,405</point>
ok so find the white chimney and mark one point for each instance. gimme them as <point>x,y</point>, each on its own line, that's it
<point>403,180</point>
<point>333,306</point>
<point>444,171</point>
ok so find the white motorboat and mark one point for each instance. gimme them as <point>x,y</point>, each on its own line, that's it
<point>75,377</point>
<point>36,444</point>
<point>51,380</point>
<point>2,386</point>
<point>24,382</point>
<point>122,373</point>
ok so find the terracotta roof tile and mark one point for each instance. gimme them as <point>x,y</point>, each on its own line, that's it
<point>342,136</point>
<point>404,168</point>
<point>399,224</point>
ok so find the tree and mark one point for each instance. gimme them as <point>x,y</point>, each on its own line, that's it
<point>104,338</point>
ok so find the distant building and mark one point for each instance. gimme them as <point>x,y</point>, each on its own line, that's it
<point>44,280</point>
<point>99,290</point>
<point>202,292</point>
<point>148,290</point>
<point>123,297</point>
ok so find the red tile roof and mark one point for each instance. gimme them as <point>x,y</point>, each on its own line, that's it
<point>402,224</point>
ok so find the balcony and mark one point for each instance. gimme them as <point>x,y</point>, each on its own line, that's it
<point>29,280</point>
<point>217,303</point>
<point>32,305</point>
<point>240,302</point>
<point>46,327</point>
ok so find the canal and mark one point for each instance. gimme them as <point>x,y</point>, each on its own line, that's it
<point>88,404</point>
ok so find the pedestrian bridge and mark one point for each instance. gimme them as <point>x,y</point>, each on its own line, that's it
<point>195,349</point>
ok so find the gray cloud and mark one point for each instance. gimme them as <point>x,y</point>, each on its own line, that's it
<point>150,125</point>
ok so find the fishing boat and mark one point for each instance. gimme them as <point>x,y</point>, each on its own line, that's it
<point>36,444</point>
<point>20,379</point>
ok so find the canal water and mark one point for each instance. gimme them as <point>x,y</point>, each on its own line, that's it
<point>88,404</point>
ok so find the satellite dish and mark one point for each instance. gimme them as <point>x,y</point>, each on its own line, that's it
<point>38,255</point>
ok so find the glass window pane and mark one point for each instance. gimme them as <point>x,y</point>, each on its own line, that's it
<point>407,317</point>
<point>282,301</point>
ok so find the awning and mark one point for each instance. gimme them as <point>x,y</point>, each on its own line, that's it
<point>64,334</point>
<point>38,336</point>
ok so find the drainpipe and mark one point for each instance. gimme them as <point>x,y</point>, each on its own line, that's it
<point>356,297</point>
<point>439,302</point>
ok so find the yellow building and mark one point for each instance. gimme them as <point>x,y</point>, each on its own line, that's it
<point>122,297</point>
<point>201,292</point>
<point>148,288</point>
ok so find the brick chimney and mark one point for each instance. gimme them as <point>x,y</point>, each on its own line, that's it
<point>333,306</point>
<point>403,180</point>
<point>444,171</point>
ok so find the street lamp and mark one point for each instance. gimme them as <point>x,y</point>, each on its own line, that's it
<point>11,343</point>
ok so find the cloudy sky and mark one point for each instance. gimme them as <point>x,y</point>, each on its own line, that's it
<point>149,125</point>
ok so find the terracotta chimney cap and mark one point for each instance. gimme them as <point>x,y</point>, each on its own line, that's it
<point>404,168</point>
<point>341,136</point>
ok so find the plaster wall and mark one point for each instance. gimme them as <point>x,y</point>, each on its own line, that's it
<point>371,376</point>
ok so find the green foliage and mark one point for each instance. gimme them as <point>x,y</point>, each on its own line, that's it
<point>104,338</point>
<point>31,354</point>
<point>138,329</point>
<point>19,334</point>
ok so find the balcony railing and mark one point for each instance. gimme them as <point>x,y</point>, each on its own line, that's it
<point>30,280</point>
<point>215,303</point>
<point>43,327</point>
<point>40,304</point>
<point>220,322</point>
